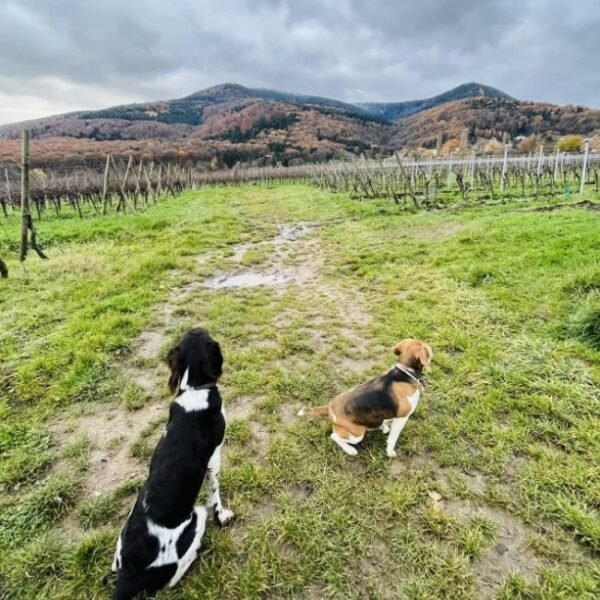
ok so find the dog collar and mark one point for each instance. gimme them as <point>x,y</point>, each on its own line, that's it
<point>184,387</point>
<point>420,381</point>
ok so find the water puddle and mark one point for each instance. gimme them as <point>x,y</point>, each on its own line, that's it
<point>286,233</point>
<point>290,233</point>
<point>245,280</point>
<point>275,273</point>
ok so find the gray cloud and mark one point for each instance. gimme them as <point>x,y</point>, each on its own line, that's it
<point>59,55</point>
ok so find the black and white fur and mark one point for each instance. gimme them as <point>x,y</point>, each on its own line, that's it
<point>162,534</point>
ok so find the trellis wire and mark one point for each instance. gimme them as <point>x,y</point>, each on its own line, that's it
<point>117,186</point>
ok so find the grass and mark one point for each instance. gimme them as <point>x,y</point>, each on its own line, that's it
<point>507,433</point>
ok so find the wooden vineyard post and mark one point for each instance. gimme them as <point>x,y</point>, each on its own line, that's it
<point>26,220</point>
<point>123,199</point>
<point>137,176</point>
<point>408,181</point>
<point>105,185</point>
<point>25,213</point>
<point>504,168</point>
<point>168,180</point>
<point>538,172</point>
<point>584,167</point>
<point>125,179</point>
<point>3,267</point>
<point>149,182</point>
<point>450,169</point>
<point>158,189</point>
<point>472,172</point>
<point>8,190</point>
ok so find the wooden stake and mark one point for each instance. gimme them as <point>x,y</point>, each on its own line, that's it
<point>105,185</point>
<point>158,189</point>
<point>504,167</point>
<point>148,182</point>
<point>8,190</point>
<point>450,168</point>
<point>129,163</point>
<point>25,212</point>
<point>123,201</point>
<point>26,220</point>
<point>409,186</point>
<point>584,168</point>
<point>540,160</point>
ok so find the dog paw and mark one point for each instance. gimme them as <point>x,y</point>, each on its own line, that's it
<point>225,517</point>
<point>391,453</point>
<point>351,451</point>
<point>385,428</point>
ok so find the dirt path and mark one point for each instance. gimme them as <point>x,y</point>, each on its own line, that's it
<point>293,258</point>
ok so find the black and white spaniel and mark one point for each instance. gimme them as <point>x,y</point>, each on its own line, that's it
<point>162,534</point>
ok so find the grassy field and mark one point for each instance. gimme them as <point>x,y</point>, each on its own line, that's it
<point>495,492</point>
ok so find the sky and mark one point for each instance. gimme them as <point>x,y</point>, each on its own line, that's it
<point>63,55</point>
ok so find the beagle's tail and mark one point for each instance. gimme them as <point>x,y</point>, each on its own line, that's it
<point>317,411</point>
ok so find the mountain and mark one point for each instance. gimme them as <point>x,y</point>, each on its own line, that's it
<point>230,123</point>
<point>394,111</point>
<point>486,117</point>
<point>181,113</point>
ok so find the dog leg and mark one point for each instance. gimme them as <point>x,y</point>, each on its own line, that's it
<point>116,563</point>
<point>345,442</point>
<point>222,515</point>
<point>189,557</point>
<point>396,430</point>
<point>385,427</point>
<point>347,448</point>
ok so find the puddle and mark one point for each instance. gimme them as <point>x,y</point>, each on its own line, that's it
<point>240,250</point>
<point>290,233</point>
<point>245,280</point>
<point>286,233</point>
<point>275,272</point>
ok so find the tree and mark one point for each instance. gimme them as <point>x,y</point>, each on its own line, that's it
<point>529,144</point>
<point>570,143</point>
<point>452,145</point>
<point>493,147</point>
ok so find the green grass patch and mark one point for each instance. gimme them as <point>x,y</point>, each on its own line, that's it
<point>506,296</point>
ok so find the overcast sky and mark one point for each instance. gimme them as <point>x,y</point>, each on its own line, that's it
<point>62,55</point>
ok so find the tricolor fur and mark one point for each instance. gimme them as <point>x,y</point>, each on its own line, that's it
<point>385,402</point>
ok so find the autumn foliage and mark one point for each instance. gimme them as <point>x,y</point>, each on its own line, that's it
<point>571,143</point>
<point>228,124</point>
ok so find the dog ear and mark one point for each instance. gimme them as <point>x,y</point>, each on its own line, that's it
<point>173,360</point>
<point>397,349</point>
<point>213,359</point>
<point>424,355</point>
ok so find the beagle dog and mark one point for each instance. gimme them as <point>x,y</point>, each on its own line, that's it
<point>385,402</point>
